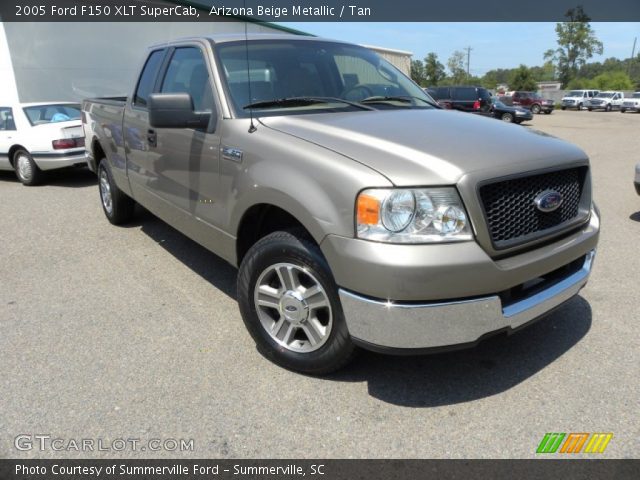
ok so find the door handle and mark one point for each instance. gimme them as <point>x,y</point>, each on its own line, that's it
<point>152,138</point>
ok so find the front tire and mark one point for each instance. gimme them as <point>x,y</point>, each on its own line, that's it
<point>116,205</point>
<point>26,169</point>
<point>607,108</point>
<point>290,305</point>
<point>507,117</point>
<point>535,108</point>
<point>622,110</point>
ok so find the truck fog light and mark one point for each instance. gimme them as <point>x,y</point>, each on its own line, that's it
<point>398,209</point>
<point>449,219</point>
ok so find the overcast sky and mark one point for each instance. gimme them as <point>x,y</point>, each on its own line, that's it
<point>495,45</point>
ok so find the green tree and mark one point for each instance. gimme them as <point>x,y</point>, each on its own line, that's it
<point>546,72</point>
<point>455,64</point>
<point>522,79</point>
<point>433,70</point>
<point>612,81</point>
<point>577,43</point>
<point>417,72</point>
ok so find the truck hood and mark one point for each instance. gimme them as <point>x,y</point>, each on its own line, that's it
<point>428,147</point>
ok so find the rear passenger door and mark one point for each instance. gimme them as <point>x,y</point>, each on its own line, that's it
<point>464,98</point>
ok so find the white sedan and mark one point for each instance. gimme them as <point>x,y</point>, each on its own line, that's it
<point>35,137</point>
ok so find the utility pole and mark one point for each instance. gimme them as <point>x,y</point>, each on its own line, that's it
<point>633,52</point>
<point>468,49</point>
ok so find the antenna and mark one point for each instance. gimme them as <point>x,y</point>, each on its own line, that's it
<point>252,127</point>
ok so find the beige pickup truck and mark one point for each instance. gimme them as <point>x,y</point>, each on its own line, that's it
<point>358,212</point>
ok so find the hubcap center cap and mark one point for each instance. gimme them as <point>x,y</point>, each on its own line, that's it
<point>294,308</point>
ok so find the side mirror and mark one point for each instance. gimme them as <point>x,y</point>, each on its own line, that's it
<point>175,110</point>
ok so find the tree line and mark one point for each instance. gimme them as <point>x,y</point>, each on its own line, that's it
<point>567,64</point>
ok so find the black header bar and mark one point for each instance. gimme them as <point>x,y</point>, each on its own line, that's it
<point>314,10</point>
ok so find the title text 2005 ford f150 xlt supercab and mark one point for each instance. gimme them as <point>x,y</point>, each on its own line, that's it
<point>357,211</point>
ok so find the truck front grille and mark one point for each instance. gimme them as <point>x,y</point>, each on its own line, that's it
<point>511,214</point>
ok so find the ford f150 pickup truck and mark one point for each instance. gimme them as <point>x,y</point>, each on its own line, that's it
<point>359,213</point>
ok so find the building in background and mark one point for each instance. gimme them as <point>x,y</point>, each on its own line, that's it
<point>399,58</point>
<point>549,86</point>
<point>64,61</point>
<point>42,61</point>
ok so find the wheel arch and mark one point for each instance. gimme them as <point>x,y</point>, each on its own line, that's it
<point>260,220</point>
<point>13,150</point>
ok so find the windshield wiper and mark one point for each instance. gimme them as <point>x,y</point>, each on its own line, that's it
<point>398,98</point>
<point>302,102</point>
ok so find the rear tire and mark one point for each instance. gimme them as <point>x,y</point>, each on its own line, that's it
<point>548,112</point>
<point>116,205</point>
<point>26,169</point>
<point>290,305</point>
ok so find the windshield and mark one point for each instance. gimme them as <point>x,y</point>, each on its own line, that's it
<point>41,114</point>
<point>635,95</point>
<point>605,95</point>
<point>574,93</point>
<point>328,76</point>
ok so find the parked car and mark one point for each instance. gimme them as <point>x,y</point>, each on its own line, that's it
<point>384,222</point>
<point>533,101</point>
<point>606,101</point>
<point>631,104</point>
<point>467,99</point>
<point>577,98</point>
<point>36,137</point>
<point>637,179</point>
<point>510,114</point>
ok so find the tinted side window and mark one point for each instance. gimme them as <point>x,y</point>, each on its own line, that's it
<point>439,93</point>
<point>188,73</point>
<point>464,93</point>
<point>485,95</point>
<point>148,78</point>
<point>6,119</point>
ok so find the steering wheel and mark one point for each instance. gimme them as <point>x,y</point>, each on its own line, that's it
<point>355,93</point>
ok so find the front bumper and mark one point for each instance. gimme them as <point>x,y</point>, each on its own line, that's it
<point>403,319</point>
<point>570,104</point>
<point>385,325</point>
<point>51,161</point>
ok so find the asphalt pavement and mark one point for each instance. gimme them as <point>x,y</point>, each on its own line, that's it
<point>134,333</point>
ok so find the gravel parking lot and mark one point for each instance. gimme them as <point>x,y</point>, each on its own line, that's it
<point>134,333</point>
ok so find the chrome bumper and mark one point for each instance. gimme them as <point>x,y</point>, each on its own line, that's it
<point>421,326</point>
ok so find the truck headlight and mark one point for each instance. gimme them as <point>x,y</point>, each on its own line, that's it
<point>415,215</point>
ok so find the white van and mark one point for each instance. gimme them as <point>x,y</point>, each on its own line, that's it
<point>578,98</point>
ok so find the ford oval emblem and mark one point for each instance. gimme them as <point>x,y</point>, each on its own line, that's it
<point>548,201</point>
